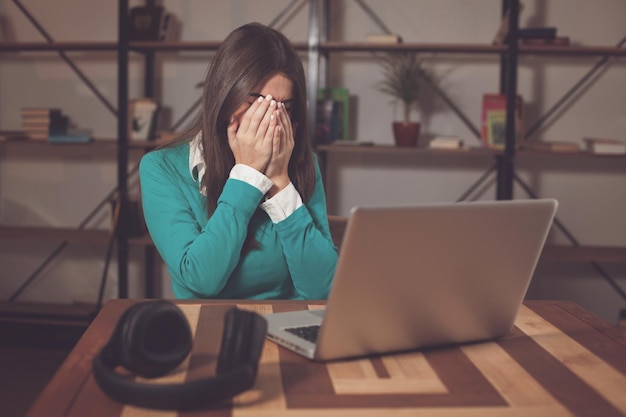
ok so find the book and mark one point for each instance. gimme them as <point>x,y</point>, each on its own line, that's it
<point>339,122</point>
<point>383,38</point>
<point>328,125</point>
<point>445,142</point>
<point>145,23</point>
<point>69,137</point>
<point>557,41</point>
<point>493,121</point>
<point>40,112</point>
<point>552,146</point>
<point>39,122</point>
<point>605,146</point>
<point>55,124</point>
<point>537,32</point>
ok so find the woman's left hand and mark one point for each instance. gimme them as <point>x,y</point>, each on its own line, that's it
<point>278,168</point>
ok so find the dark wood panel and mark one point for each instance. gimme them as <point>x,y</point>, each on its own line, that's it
<point>57,46</point>
<point>65,234</point>
<point>601,254</point>
<point>57,234</point>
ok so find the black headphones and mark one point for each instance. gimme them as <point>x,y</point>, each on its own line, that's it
<point>153,337</point>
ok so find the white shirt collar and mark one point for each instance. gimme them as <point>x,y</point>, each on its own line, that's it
<point>197,167</point>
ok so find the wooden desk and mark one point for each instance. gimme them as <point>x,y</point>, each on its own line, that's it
<point>559,360</point>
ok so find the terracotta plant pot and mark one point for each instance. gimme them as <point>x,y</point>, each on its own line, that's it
<point>406,134</point>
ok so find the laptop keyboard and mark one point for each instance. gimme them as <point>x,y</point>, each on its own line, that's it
<point>306,332</point>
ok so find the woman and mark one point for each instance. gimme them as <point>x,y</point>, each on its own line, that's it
<point>236,206</point>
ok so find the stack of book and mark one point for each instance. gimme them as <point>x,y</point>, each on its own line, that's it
<point>542,36</point>
<point>446,142</point>
<point>49,124</point>
<point>38,123</point>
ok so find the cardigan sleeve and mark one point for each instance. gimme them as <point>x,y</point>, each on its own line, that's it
<point>200,259</point>
<point>308,246</point>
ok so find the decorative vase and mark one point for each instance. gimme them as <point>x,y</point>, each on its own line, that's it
<point>406,133</point>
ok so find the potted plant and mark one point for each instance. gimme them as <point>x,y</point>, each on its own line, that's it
<point>403,74</point>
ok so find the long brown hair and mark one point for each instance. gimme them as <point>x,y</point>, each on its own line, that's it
<point>249,55</point>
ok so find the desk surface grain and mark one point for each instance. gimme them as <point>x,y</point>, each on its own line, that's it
<point>559,360</point>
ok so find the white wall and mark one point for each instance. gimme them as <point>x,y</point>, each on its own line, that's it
<point>60,190</point>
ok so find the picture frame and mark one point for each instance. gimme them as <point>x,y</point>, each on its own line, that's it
<point>142,118</point>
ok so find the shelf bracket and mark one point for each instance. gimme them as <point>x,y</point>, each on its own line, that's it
<point>596,266</point>
<point>577,86</point>
<point>65,58</point>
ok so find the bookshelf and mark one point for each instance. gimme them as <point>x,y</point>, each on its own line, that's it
<point>504,161</point>
<point>320,51</point>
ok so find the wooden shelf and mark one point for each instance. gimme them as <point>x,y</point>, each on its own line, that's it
<point>338,46</point>
<point>174,46</point>
<point>334,46</point>
<point>572,50</point>
<point>187,46</point>
<point>472,151</point>
<point>556,154</point>
<point>46,313</point>
<point>600,254</point>
<point>44,324</point>
<point>57,46</point>
<point>65,234</point>
<point>113,46</point>
<point>391,150</point>
<point>58,234</point>
<point>99,143</point>
<point>330,46</point>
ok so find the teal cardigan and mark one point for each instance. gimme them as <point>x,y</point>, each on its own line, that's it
<point>295,258</point>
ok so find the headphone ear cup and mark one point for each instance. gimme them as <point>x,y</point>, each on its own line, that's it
<point>242,341</point>
<point>152,338</point>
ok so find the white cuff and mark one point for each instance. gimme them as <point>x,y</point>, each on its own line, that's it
<point>253,177</point>
<point>285,202</point>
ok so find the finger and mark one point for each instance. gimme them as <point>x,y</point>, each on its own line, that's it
<point>231,131</point>
<point>260,115</point>
<point>285,120</point>
<point>267,121</point>
<point>277,142</point>
<point>247,116</point>
<point>286,124</point>
<point>267,139</point>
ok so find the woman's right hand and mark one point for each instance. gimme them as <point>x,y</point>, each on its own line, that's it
<point>250,138</point>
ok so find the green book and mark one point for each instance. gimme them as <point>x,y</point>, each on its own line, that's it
<point>342,97</point>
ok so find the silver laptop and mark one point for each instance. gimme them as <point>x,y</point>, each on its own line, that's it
<point>422,276</point>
